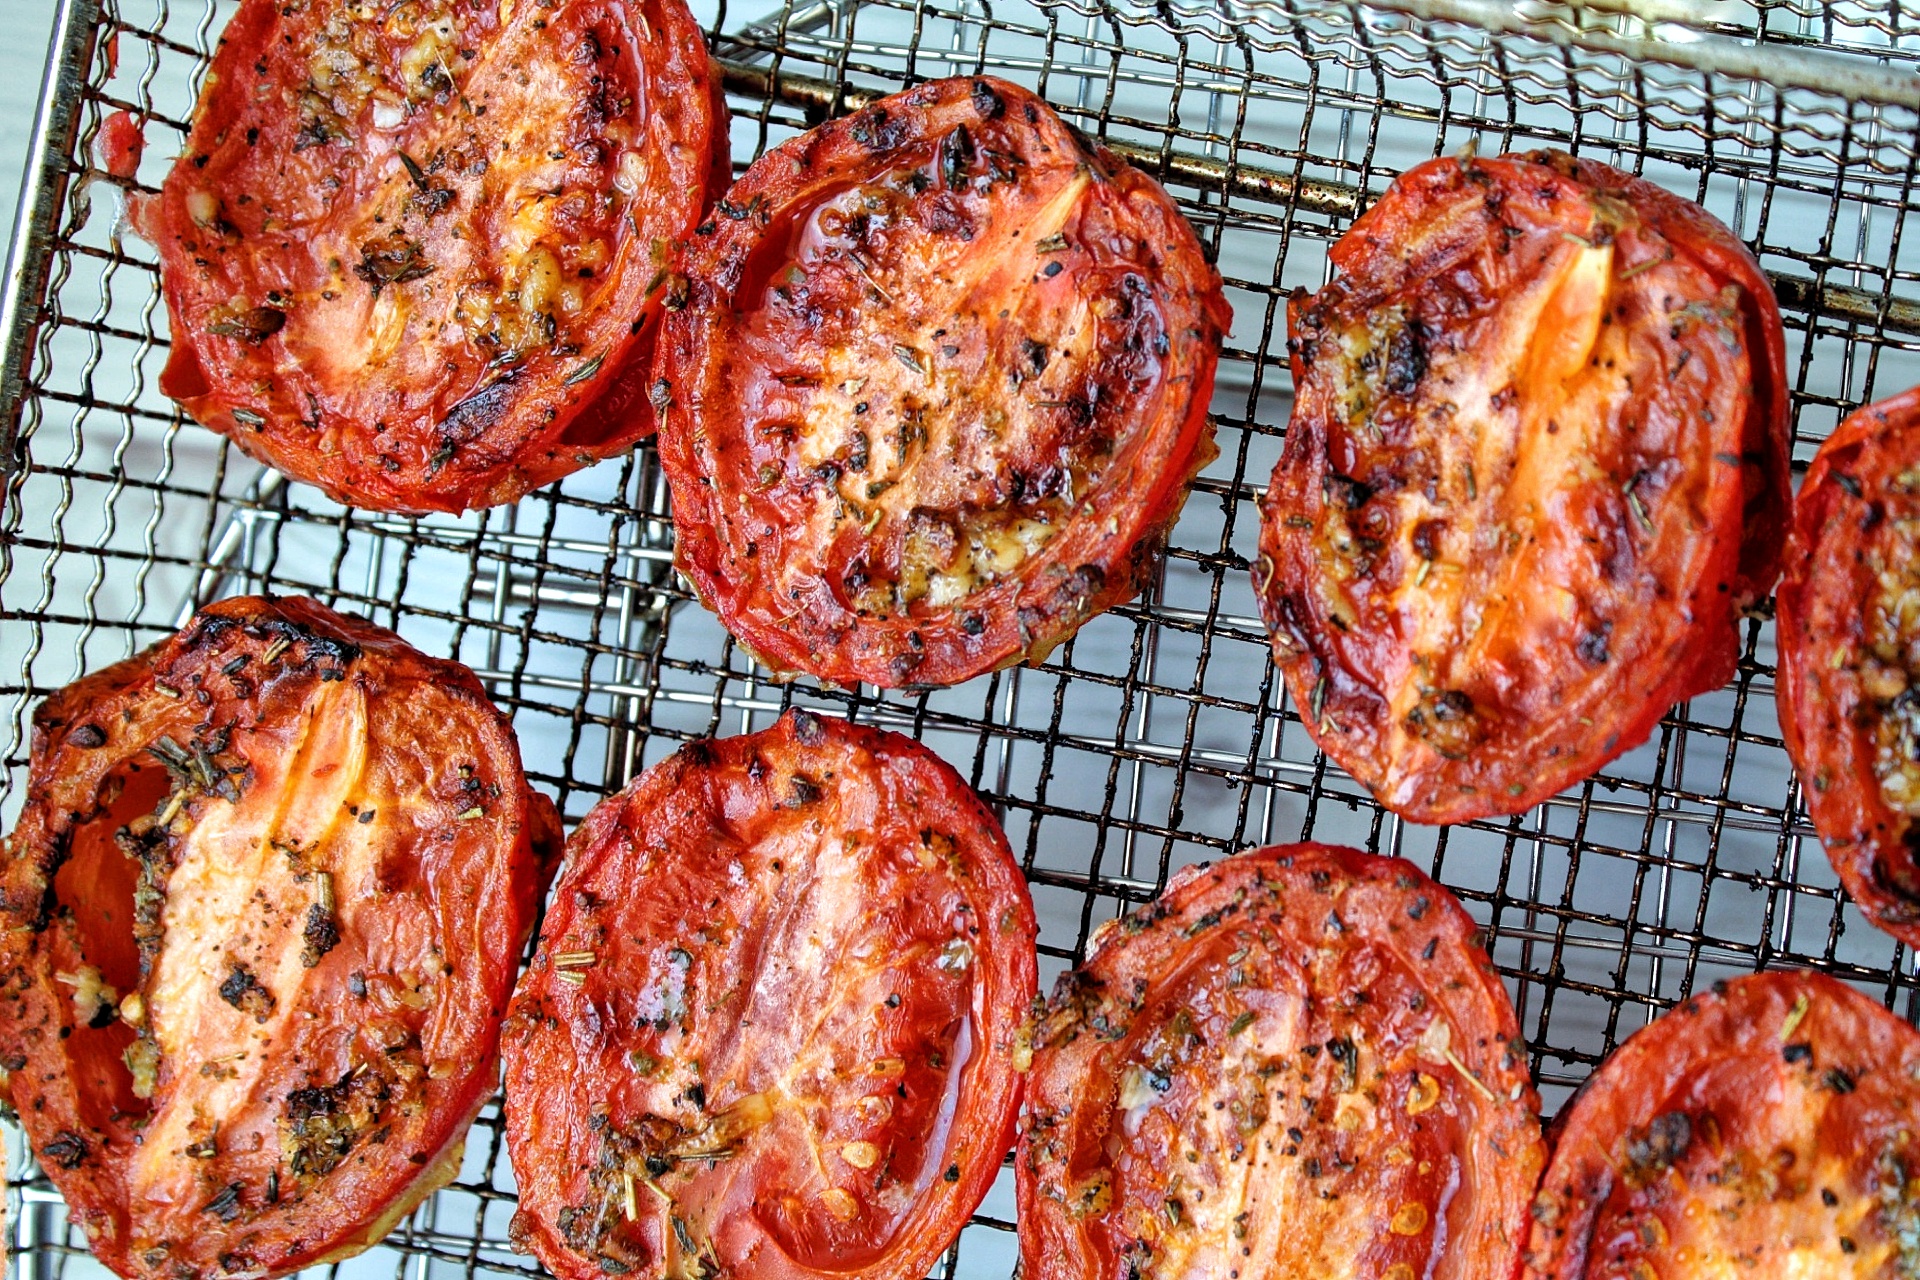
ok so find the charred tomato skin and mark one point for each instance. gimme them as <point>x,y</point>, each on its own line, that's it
<point>937,391</point>
<point>264,906</point>
<point>1849,633</point>
<point>1319,1018</point>
<point>1766,1128</point>
<point>418,260</point>
<point>1536,468</point>
<point>774,1026</point>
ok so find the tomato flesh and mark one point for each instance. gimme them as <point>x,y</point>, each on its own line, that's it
<point>938,390</point>
<point>773,1023</point>
<point>1296,1062</point>
<point>1767,1129</point>
<point>408,253</point>
<point>1849,617</point>
<point>265,904</point>
<point>1536,464</point>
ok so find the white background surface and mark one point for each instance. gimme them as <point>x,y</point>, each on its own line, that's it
<point>24,29</point>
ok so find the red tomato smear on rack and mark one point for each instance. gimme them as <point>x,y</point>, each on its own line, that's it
<point>118,146</point>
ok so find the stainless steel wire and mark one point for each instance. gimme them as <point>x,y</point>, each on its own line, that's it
<point>1159,736</point>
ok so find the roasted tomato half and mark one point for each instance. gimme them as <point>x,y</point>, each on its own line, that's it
<point>1295,1063</point>
<point>773,1028</point>
<point>1771,1128</point>
<point>1537,465</point>
<point>414,252</point>
<point>1849,609</point>
<point>938,389</point>
<point>262,912</point>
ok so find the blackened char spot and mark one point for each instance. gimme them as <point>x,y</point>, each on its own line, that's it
<point>313,132</point>
<point>807,729</point>
<point>956,158</point>
<point>876,131</point>
<point>576,1224</point>
<point>1406,359</point>
<point>207,630</point>
<point>250,324</point>
<point>1426,538</point>
<point>226,1205</point>
<point>68,1150</point>
<point>321,935</point>
<point>1900,878</point>
<point>396,259</point>
<point>946,216</point>
<point>988,104</point>
<point>243,991</point>
<point>1660,1145</point>
<point>1342,1051</point>
<point>1592,645</point>
<point>87,736</point>
<point>1446,721</point>
<point>479,412</point>
<point>432,202</point>
<point>1345,491</point>
<point>1617,560</point>
<point>325,1122</point>
<point>320,1099</point>
<point>1033,486</point>
<point>1082,584</point>
<point>1285,623</point>
<point>801,791</point>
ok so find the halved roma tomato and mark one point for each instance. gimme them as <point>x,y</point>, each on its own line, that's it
<point>1849,608</point>
<point>1771,1128</point>
<point>938,389</point>
<point>1536,466</point>
<point>773,1028</point>
<point>262,912</point>
<point>1296,1063</point>
<point>414,252</point>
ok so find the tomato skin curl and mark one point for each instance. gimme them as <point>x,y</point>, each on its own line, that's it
<point>1849,633</point>
<point>1295,1062</point>
<point>938,390</point>
<point>1536,469</point>
<point>775,1025</point>
<point>1765,1128</point>
<point>418,259</point>
<point>264,906</point>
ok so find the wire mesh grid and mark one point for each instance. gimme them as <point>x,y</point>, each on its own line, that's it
<point>1160,736</point>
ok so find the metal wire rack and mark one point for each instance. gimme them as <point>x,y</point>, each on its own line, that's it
<point>1159,736</point>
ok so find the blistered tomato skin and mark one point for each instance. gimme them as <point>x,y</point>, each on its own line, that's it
<point>415,254</point>
<point>1849,619</point>
<point>937,391</point>
<point>263,909</point>
<point>1769,1128</point>
<point>1536,467</point>
<point>774,1027</point>
<point>1295,1063</point>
